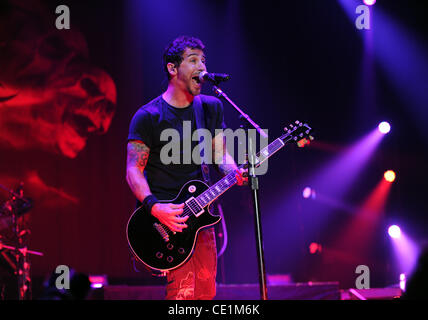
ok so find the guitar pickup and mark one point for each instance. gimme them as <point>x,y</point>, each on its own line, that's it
<point>194,206</point>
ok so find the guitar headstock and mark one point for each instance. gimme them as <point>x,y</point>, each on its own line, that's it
<point>298,132</point>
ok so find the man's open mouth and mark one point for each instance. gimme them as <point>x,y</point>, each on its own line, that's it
<point>196,79</point>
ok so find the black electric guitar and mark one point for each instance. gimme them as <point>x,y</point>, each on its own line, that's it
<point>162,250</point>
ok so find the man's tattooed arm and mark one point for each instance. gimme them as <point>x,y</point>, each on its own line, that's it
<point>137,156</point>
<point>167,213</point>
<point>225,161</point>
<point>221,157</point>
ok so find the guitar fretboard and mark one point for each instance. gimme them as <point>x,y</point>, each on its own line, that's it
<point>230,179</point>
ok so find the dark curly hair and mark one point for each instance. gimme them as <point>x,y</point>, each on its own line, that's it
<point>173,53</point>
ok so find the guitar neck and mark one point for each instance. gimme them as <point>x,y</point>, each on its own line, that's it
<point>230,180</point>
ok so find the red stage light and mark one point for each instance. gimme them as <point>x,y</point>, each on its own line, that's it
<point>314,248</point>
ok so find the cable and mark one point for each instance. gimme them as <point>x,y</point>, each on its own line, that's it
<point>223,226</point>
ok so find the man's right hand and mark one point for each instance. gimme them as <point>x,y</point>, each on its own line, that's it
<point>169,215</point>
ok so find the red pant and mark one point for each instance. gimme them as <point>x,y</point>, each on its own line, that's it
<point>195,280</point>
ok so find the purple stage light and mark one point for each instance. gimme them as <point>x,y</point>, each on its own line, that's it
<point>394,232</point>
<point>384,127</point>
<point>406,252</point>
<point>307,192</point>
<point>369,2</point>
<point>403,281</point>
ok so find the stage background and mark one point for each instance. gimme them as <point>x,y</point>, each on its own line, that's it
<point>288,61</point>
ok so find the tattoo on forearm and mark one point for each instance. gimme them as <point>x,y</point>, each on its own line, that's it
<point>227,167</point>
<point>221,157</point>
<point>219,150</point>
<point>138,154</point>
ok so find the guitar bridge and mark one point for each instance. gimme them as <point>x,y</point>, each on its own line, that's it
<point>161,231</point>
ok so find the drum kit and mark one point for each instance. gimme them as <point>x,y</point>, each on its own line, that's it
<point>15,253</point>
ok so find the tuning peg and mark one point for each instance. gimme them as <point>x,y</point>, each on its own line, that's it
<point>296,122</point>
<point>311,138</point>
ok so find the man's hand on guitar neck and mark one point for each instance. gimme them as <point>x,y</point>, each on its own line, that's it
<point>169,215</point>
<point>242,176</point>
<point>225,161</point>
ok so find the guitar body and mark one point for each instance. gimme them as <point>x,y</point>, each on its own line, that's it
<point>162,250</point>
<point>158,247</point>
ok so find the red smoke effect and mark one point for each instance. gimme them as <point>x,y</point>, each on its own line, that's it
<point>51,97</point>
<point>352,246</point>
<point>52,100</point>
<point>359,233</point>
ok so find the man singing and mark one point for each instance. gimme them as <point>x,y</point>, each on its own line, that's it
<point>151,180</point>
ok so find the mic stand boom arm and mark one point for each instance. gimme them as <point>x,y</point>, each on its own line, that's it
<point>220,92</point>
<point>254,184</point>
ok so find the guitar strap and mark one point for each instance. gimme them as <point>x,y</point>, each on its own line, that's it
<point>200,123</point>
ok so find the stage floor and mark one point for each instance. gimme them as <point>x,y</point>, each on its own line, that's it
<point>297,291</point>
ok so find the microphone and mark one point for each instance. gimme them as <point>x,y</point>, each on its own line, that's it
<point>213,77</point>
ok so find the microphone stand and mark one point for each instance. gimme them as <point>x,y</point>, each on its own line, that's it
<point>254,184</point>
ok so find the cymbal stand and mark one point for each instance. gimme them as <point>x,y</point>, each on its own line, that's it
<point>20,250</point>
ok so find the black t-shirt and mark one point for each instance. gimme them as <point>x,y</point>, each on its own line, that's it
<point>166,180</point>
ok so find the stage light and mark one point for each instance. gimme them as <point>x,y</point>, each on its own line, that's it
<point>369,2</point>
<point>98,281</point>
<point>394,231</point>
<point>314,248</point>
<point>406,252</point>
<point>384,127</point>
<point>389,176</point>
<point>403,281</point>
<point>309,193</point>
